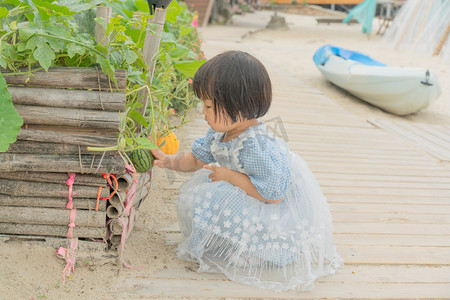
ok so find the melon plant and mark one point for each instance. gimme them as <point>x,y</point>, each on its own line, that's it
<point>141,159</point>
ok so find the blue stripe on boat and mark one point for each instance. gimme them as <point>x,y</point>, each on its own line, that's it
<point>323,53</point>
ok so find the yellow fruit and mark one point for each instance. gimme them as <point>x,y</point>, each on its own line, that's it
<point>171,143</point>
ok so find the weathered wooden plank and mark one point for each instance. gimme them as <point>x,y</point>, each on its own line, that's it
<point>55,202</point>
<point>80,179</point>
<point>394,218</point>
<point>437,144</point>
<point>391,228</point>
<point>96,100</point>
<point>385,191</point>
<point>393,208</point>
<point>10,162</point>
<point>381,178</point>
<point>388,240</point>
<point>25,188</point>
<point>36,135</point>
<point>350,273</point>
<point>69,77</point>
<point>51,216</point>
<point>197,289</point>
<point>69,117</point>
<point>382,200</point>
<point>384,184</point>
<point>52,230</point>
<point>418,255</point>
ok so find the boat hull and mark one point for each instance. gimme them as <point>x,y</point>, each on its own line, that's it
<point>397,90</point>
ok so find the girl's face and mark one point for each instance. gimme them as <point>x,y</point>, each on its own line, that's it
<point>221,123</point>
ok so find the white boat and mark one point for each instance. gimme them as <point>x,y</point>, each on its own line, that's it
<point>397,90</point>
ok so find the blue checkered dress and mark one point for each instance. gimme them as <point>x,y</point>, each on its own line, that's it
<point>280,246</point>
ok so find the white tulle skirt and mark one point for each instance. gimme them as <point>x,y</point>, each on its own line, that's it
<point>279,246</point>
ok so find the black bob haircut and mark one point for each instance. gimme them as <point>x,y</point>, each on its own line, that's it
<point>237,83</point>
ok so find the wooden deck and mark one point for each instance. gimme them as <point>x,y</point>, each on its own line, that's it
<point>390,204</point>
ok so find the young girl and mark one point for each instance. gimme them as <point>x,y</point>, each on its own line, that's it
<point>257,215</point>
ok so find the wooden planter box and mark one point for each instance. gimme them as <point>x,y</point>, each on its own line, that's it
<point>64,111</point>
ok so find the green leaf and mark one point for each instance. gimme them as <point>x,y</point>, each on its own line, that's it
<point>130,56</point>
<point>10,120</point>
<point>44,54</point>
<point>145,143</point>
<point>73,49</point>
<point>3,62</point>
<point>182,51</point>
<point>53,7</point>
<point>168,37</point>
<point>3,12</point>
<point>135,115</point>
<point>188,68</point>
<point>142,6</point>
<point>26,33</point>
<point>173,11</point>
<point>32,43</point>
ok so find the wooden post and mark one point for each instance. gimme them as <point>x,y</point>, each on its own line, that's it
<point>151,47</point>
<point>105,13</point>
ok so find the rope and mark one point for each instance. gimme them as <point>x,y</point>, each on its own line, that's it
<point>115,186</point>
<point>99,88</point>
<point>79,159</point>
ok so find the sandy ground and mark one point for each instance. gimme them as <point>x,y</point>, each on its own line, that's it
<point>32,270</point>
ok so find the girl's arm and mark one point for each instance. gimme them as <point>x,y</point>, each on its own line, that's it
<point>181,162</point>
<point>238,179</point>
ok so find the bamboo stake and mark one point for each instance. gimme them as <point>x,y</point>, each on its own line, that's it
<point>69,117</point>
<point>40,189</point>
<point>69,77</point>
<point>65,138</point>
<point>113,211</point>
<point>52,230</point>
<point>105,13</point>
<point>10,162</point>
<point>115,240</point>
<point>151,47</point>
<point>61,178</point>
<point>51,216</point>
<point>125,180</point>
<point>54,202</point>
<point>68,98</point>
<point>442,41</point>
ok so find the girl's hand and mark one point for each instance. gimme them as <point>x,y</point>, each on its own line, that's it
<point>219,173</point>
<point>161,159</point>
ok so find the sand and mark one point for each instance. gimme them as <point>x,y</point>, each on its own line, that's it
<point>33,271</point>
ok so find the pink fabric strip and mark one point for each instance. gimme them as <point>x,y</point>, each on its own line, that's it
<point>69,256</point>
<point>128,212</point>
<point>72,217</point>
<point>70,182</point>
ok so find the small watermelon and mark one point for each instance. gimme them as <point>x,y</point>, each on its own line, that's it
<point>142,160</point>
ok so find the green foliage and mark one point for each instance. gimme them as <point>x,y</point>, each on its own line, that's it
<point>10,121</point>
<point>39,34</point>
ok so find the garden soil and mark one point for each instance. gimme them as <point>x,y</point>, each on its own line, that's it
<point>31,270</point>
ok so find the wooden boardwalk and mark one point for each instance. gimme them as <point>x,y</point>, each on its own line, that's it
<point>389,201</point>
